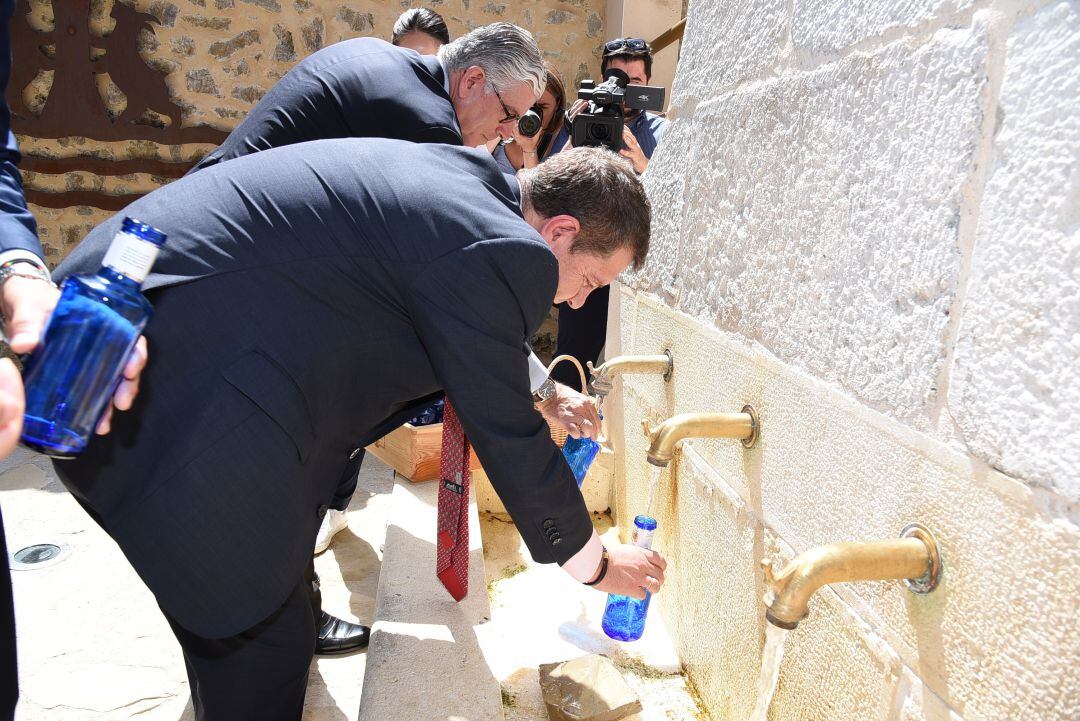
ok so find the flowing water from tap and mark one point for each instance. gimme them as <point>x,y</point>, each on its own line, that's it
<point>654,481</point>
<point>771,656</point>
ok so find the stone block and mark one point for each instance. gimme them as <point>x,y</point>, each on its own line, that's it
<point>825,214</point>
<point>1016,380</point>
<point>666,191</point>
<point>588,688</point>
<point>725,44</point>
<point>989,642</point>
<point>824,27</point>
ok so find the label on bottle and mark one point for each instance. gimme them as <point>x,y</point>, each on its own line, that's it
<point>642,538</point>
<point>131,256</point>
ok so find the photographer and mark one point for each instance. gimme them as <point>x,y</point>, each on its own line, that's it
<point>529,151</point>
<point>583,329</point>
<point>642,130</point>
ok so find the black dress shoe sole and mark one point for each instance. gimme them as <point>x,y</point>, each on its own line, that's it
<point>341,651</point>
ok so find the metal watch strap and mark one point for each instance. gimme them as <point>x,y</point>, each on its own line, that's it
<point>24,268</point>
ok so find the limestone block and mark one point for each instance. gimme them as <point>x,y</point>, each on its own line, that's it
<point>825,214</point>
<point>823,27</point>
<point>710,599</point>
<point>588,688</point>
<point>725,44</point>
<point>666,192</point>
<point>994,641</point>
<point>1016,381</point>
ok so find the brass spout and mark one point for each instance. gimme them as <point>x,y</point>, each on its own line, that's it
<point>603,377</point>
<point>913,557</point>
<point>662,438</point>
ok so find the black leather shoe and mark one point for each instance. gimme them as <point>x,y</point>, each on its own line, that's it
<point>336,636</point>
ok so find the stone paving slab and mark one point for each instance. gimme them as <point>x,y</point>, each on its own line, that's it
<point>93,644</point>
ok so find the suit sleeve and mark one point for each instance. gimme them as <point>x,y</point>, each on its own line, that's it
<point>472,310</point>
<point>17,227</point>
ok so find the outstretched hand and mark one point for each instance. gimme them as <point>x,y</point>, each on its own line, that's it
<point>26,304</point>
<point>572,411</point>
<point>632,571</point>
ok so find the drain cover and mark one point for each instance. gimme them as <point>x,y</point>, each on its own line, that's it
<point>40,555</point>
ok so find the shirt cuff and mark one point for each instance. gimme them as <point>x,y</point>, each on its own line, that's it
<point>537,373</point>
<point>582,566</point>
<point>20,254</point>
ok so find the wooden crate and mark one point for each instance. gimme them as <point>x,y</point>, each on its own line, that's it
<point>413,451</point>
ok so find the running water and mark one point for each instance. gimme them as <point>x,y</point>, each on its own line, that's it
<point>771,656</point>
<point>654,481</point>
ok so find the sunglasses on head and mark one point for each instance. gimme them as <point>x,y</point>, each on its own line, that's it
<point>633,45</point>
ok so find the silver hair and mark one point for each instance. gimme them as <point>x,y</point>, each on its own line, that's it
<point>507,53</point>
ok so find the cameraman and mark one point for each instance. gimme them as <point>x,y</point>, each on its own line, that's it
<point>642,129</point>
<point>582,330</point>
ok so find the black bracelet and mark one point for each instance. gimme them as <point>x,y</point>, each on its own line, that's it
<point>603,569</point>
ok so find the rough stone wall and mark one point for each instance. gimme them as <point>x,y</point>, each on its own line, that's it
<point>221,56</point>
<point>865,225</point>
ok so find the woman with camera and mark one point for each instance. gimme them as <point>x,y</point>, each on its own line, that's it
<point>536,130</point>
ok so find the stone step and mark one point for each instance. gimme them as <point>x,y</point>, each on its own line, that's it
<point>424,662</point>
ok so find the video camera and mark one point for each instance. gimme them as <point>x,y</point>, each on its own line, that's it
<point>601,124</point>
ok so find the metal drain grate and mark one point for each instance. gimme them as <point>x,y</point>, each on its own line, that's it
<point>40,555</point>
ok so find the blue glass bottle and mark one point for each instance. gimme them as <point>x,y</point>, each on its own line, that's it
<point>624,617</point>
<point>72,374</point>
<point>580,453</point>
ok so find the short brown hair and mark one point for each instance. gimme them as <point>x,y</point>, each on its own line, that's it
<point>601,190</point>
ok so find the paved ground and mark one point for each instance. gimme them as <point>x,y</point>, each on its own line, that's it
<point>538,615</point>
<point>92,643</point>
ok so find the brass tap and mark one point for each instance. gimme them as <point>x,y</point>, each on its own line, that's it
<point>662,438</point>
<point>914,557</point>
<point>603,377</point>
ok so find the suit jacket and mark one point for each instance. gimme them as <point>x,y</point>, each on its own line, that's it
<point>360,88</point>
<point>308,299</point>
<point>17,226</point>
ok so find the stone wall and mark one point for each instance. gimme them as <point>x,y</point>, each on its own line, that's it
<point>220,56</point>
<point>865,225</point>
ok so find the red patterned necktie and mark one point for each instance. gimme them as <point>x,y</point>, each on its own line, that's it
<point>452,559</point>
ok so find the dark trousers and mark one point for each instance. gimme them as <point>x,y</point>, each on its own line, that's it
<point>9,677</point>
<point>582,332</point>
<point>260,674</point>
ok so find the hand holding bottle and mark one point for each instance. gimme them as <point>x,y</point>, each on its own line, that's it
<point>12,404</point>
<point>632,571</point>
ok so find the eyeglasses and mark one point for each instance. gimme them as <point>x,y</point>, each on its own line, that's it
<point>633,45</point>
<point>510,114</point>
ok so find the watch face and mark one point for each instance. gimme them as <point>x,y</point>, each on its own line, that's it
<point>546,390</point>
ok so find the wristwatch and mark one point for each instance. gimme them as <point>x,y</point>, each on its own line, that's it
<point>544,392</point>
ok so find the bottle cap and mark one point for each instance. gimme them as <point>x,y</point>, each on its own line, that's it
<point>645,523</point>
<point>143,231</point>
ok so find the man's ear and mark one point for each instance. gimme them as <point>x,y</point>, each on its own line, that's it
<point>561,231</point>
<point>472,81</point>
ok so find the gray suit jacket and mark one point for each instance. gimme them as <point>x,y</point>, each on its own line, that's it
<point>309,297</point>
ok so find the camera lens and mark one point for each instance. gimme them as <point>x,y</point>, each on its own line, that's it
<point>600,132</point>
<point>529,124</point>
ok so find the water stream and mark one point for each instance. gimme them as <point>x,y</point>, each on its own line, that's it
<point>771,656</point>
<point>654,481</point>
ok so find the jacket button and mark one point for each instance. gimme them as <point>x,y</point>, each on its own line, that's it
<point>322,510</point>
<point>355,452</point>
<point>556,541</point>
<point>548,523</point>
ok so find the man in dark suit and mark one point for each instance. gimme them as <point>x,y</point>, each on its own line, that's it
<point>474,90</point>
<point>319,294</point>
<point>364,87</point>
